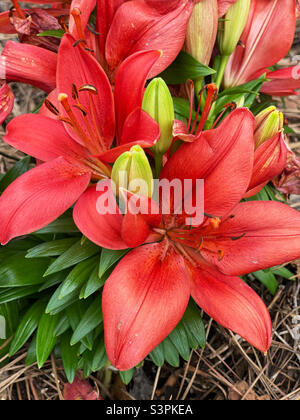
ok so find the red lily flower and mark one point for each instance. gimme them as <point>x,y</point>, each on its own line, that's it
<point>266,39</point>
<point>127,27</point>
<point>6,102</point>
<point>283,82</point>
<point>83,126</point>
<point>147,293</point>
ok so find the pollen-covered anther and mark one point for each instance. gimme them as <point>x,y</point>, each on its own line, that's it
<point>221,254</point>
<point>52,108</point>
<point>88,88</point>
<point>215,222</point>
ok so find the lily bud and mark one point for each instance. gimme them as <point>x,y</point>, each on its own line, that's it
<point>232,26</point>
<point>270,154</point>
<point>132,172</point>
<point>159,105</point>
<point>268,123</point>
<point>202,31</point>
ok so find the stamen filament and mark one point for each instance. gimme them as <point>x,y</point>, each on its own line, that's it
<point>18,9</point>
<point>77,19</point>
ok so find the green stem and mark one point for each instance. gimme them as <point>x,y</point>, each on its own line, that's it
<point>221,70</point>
<point>158,164</point>
<point>219,79</point>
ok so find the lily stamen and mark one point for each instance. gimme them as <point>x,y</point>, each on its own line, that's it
<point>18,9</point>
<point>76,13</point>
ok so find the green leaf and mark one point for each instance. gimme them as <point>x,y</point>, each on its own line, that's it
<point>93,284</point>
<point>126,376</point>
<point>56,33</point>
<point>109,258</point>
<point>31,353</point>
<point>56,305</point>
<point>69,356</point>
<point>267,278</point>
<point>74,255</point>
<point>75,314</point>
<point>282,272</point>
<point>100,356</point>
<point>80,274</point>
<point>17,271</point>
<point>53,280</point>
<point>62,326</point>
<point>194,326</point>
<point>17,170</point>
<point>27,326</point>
<point>157,355</point>
<point>64,224</point>
<point>10,312</point>
<point>183,68</point>
<point>51,249</point>
<point>179,338</point>
<point>170,352</point>
<point>249,91</point>
<point>90,320</point>
<point>11,294</point>
<point>46,338</point>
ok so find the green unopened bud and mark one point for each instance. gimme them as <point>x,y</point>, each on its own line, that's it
<point>202,31</point>
<point>159,105</point>
<point>232,26</point>
<point>268,123</point>
<point>132,172</point>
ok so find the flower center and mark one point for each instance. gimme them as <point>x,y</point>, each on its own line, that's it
<point>84,126</point>
<point>200,238</point>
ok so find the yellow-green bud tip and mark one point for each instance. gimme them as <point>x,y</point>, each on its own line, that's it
<point>158,103</point>
<point>132,172</point>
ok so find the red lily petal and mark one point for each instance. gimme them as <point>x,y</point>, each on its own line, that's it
<point>39,196</point>
<point>143,300</point>
<point>217,156</point>
<point>266,39</point>
<point>130,83</point>
<point>224,5</point>
<point>136,228</point>
<point>232,304</point>
<point>28,64</point>
<point>77,66</point>
<point>6,102</point>
<point>112,155</point>
<point>43,138</point>
<point>260,235</point>
<point>269,160</point>
<point>140,126</point>
<point>6,26</point>
<point>53,98</point>
<point>283,82</point>
<point>102,229</point>
<point>180,131</point>
<point>138,26</point>
<point>105,13</point>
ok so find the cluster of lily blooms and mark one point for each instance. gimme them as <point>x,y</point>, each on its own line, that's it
<point>101,117</point>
